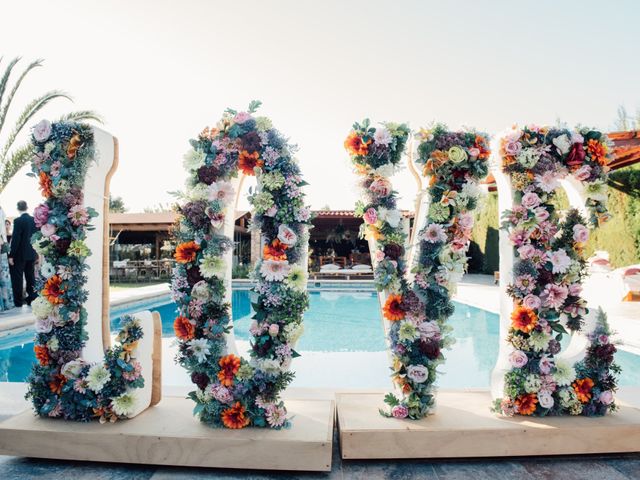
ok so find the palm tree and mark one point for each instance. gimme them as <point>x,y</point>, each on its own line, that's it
<point>12,158</point>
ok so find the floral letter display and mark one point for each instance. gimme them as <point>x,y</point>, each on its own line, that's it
<point>417,311</point>
<point>74,378</point>
<point>543,249</point>
<point>231,391</point>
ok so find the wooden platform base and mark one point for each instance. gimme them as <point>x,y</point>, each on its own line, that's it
<point>463,426</point>
<point>167,434</point>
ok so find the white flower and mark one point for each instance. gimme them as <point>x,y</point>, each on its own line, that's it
<point>53,344</point>
<point>418,373</point>
<point>212,267</point>
<point>44,324</point>
<point>41,307</point>
<point>198,192</point>
<point>559,260</point>
<point>563,143</point>
<point>597,191</point>
<point>293,332</point>
<point>434,233</point>
<point>471,189</point>
<point>286,235</point>
<point>201,291</point>
<point>391,216</point>
<point>547,182</point>
<point>48,147</point>
<point>297,278</point>
<point>565,374</point>
<point>73,368</point>
<point>98,377</point>
<point>385,171</point>
<point>124,405</point>
<point>193,159</point>
<point>42,131</point>
<point>221,191</point>
<point>269,366</point>
<point>532,383</point>
<point>275,270</point>
<point>47,270</point>
<point>199,347</point>
<point>382,136</point>
<point>545,400</point>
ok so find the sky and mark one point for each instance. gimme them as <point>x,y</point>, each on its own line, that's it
<point>159,71</point>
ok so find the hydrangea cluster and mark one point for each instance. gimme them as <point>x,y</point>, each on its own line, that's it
<point>418,310</point>
<point>61,383</point>
<point>548,272</point>
<point>231,391</point>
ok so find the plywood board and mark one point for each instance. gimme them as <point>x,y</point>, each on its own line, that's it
<point>463,426</point>
<point>167,434</point>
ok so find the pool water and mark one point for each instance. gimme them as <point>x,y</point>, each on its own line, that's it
<point>339,327</point>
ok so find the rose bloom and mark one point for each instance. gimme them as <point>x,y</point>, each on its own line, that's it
<point>418,373</point>
<point>530,200</point>
<point>287,235</point>
<point>583,173</point>
<point>512,147</point>
<point>545,400</point>
<point>370,216</point>
<point>580,233</point>
<point>531,301</point>
<point>541,214</point>
<point>606,397</point>
<point>42,131</point>
<point>379,255</point>
<point>48,229</point>
<point>518,358</point>
<point>545,365</point>
<point>381,187</point>
<point>41,215</point>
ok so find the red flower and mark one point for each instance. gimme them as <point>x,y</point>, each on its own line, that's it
<point>184,329</point>
<point>583,387</point>
<point>235,417</point>
<point>598,151</point>
<point>526,404</point>
<point>576,156</point>
<point>57,382</point>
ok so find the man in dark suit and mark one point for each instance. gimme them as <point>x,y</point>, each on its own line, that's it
<point>22,256</point>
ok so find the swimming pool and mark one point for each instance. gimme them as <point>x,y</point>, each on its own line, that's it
<point>343,345</point>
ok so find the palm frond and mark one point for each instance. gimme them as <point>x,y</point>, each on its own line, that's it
<point>18,159</point>
<point>5,109</point>
<point>27,114</point>
<point>5,76</point>
<point>80,116</point>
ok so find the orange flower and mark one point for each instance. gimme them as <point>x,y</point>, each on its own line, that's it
<point>583,387</point>
<point>598,151</point>
<point>186,252</point>
<point>248,161</point>
<point>52,290</point>
<point>524,319</point>
<point>275,251</point>
<point>480,145</point>
<point>235,417</point>
<point>42,354</point>
<point>74,144</point>
<point>56,384</point>
<point>392,309</point>
<point>526,404</point>
<point>355,145</point>
<point>45,184</point>
<point>185,330</point>
<point>229,366</point>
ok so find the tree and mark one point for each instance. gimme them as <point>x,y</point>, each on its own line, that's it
<point>159,208</point>
<point>622,119</point>
<point>13,158</point>
<point>116,204</point>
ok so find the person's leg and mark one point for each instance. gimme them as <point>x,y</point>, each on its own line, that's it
<point>16,271</point>
<point>30,277</point>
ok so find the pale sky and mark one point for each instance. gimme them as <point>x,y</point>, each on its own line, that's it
<point>160,71</point>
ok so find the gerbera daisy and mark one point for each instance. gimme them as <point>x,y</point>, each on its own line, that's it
<point>52,290</point>
<point>434,233</point>
<point>274,270</point>
<point>355,145</point>
<point>275,250</point>
<point>229,366</point>
<point>186,252</point>
<point>582,387</point>
<point>524,319</point>
<point>526,404</point>
<point>184,329</point>
<point>235,417</point>
<point>393,308</point>
<point>42,354</point>
<point>248,161</point>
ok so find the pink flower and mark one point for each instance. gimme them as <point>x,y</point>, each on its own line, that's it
<point>400,411</point>
<point>519,236</point>
<point>541,214</point>
<point>274,329</point>
<point>379,255</point>
<point>434,233</point>
<point>429,330</point>
<point>48,229</point>
<point>547,182</point>
<point>553,295</point>
<point>287,235</point>
<point>221,191</point>
<point>220,393</point>
<point>241,117</point>
<point>526,251</point>
<point>518,358</point>
<point>41,214</point>
<point>465,220</point>
<point>545,365</point>
<point>276,416</point>
<point>381,187</point>
<point>580,233</point>
<point>513,147</point>
<point>370,216</point>
<point>606,397</point>
<point>474,152</point>
<point>583,173</point>
<point>42,131</point>
<point>547,384</point>
<point>272,211</point>
<point>530,200</point>
<point>531,301</point>
<point>560,261</point>
<point>525,283</point>
<point>78,215</point>
<point>545,400</point>
<point>418,373</point>
<point>575,289</point>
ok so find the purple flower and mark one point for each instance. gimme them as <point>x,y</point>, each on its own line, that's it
<point>41,214</point>
<point>518,358</point>
<point>42,131</point>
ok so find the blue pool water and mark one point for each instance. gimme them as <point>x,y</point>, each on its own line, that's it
<point>339,322</point>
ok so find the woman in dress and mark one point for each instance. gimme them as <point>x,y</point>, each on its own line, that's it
<point>6,296</point>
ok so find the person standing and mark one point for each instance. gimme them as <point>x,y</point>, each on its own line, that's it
<point>22,256</point>
<point>6,296</point>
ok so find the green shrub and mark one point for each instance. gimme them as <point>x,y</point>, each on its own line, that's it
<point>483,251</point>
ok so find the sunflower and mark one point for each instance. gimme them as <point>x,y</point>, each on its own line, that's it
<point>275,251</point>
<point>42,354</point>
<point>229,366</point>
<point>45,184</point>
<point>186,252</point>
<point>184,329</point>
<point>355,145</point>
<point>526,404</point>
<point>582,387</point>
<point>235,417</point>
<point>248,161</point>
<point>52,290</point>
<point>392,308</point>
<point>524,319</point>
